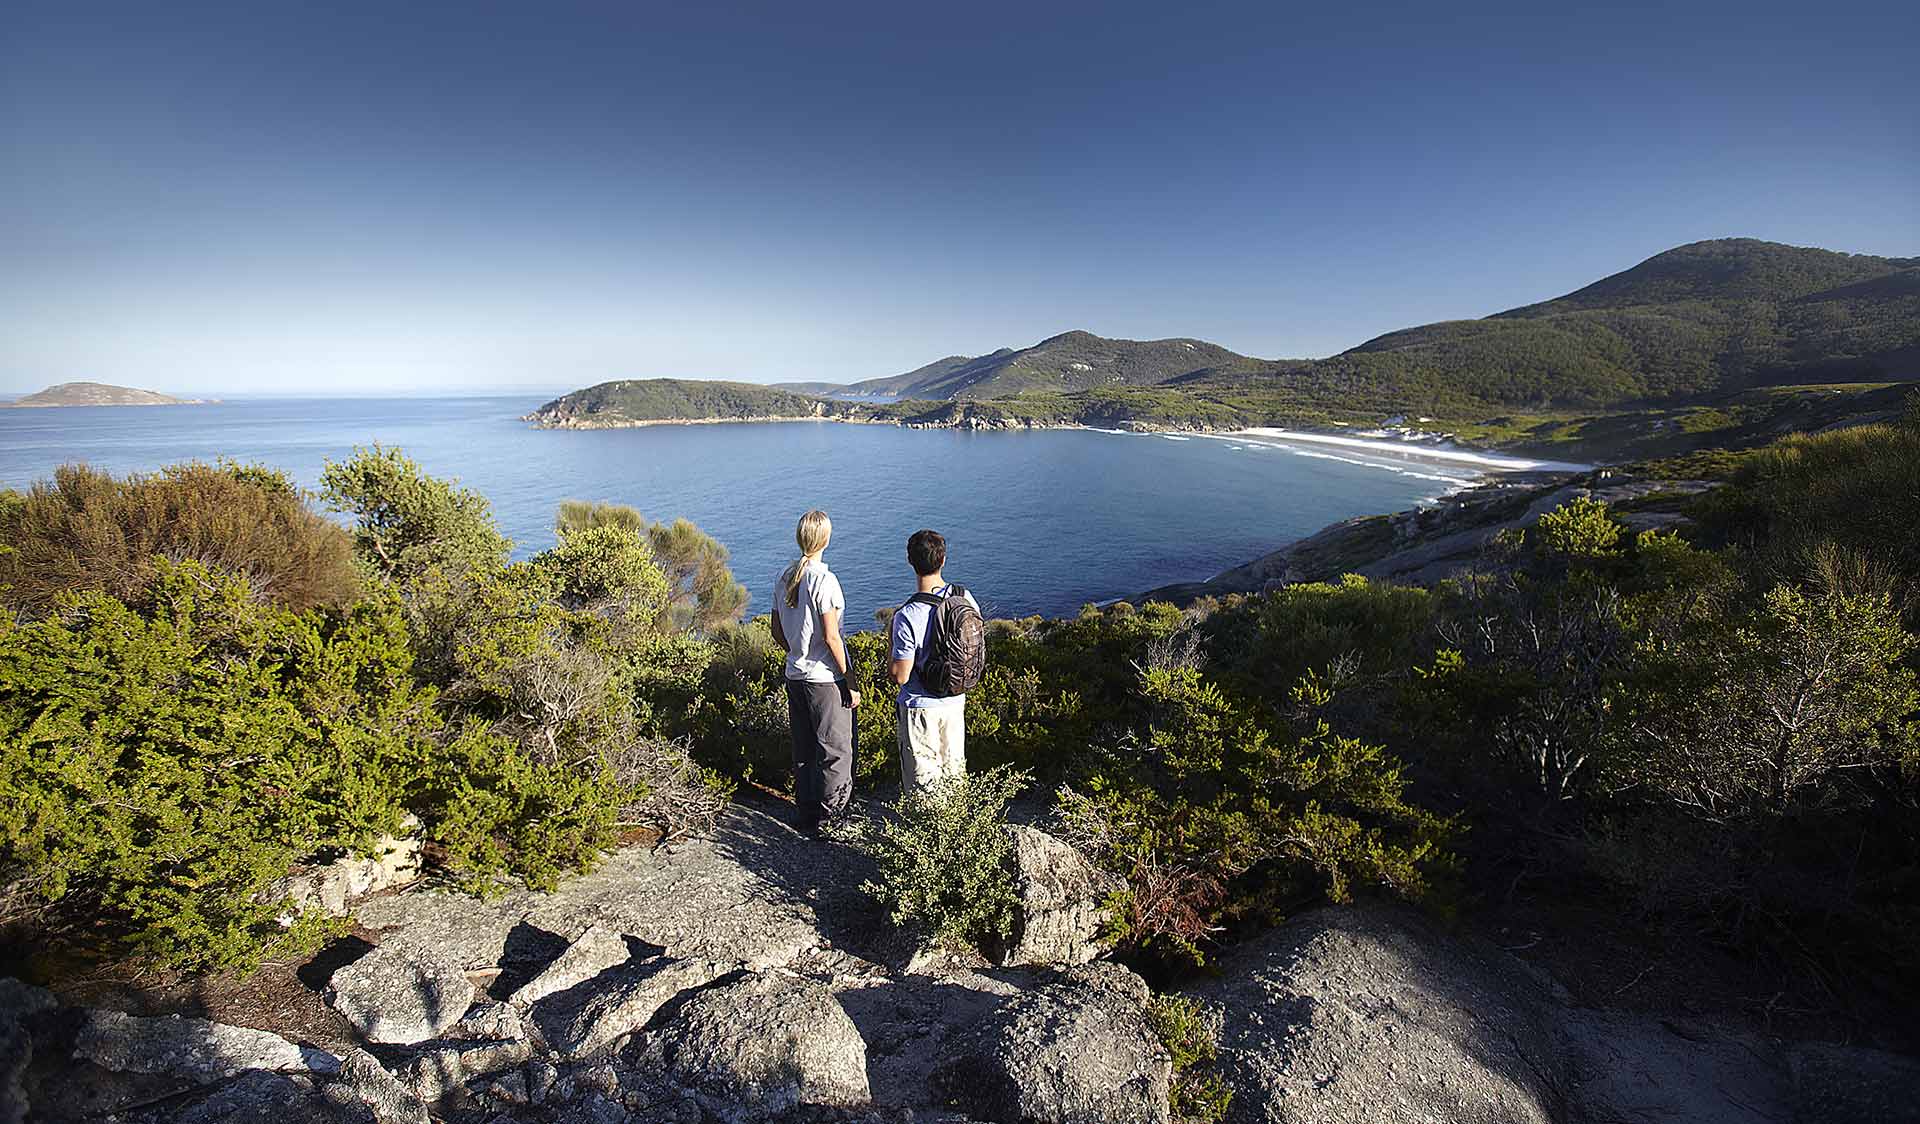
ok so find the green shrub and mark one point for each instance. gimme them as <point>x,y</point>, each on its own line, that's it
<point>1579,528</point>
<point>86,530</point>
<point>943,861</point>
<point>1213,813</point>
<point>165,762</point>
<point>704,597</point>
<point>1199,1094</point>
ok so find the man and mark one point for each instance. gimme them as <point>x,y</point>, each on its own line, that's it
<point>933,736</point>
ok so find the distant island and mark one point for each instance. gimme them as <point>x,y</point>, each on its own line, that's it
<point>100,394</point>
<point>1730,341</point>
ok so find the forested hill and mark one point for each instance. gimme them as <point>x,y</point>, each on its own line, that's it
<point>639,401</point>
<point>1703,318</point>
<point>1067,362</point>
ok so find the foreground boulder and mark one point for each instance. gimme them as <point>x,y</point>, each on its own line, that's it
<point>392,996</point>
<point>1061,911</point>
<point>1077,1050</point>
<point>1370,1014</point>
<point>764,1044</point>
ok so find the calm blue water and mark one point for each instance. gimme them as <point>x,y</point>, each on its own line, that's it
<point>1036,522</point>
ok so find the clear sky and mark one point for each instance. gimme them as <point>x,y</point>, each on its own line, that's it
<point>411,196</point>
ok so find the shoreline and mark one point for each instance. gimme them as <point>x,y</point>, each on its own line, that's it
<point>1436,453</point>
<point>1410,450</point>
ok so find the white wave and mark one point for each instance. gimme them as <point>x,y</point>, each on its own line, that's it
<point>1445,453</point>
<point>1175,436</point>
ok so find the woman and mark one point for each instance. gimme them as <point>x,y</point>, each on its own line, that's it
<point>807,606</point>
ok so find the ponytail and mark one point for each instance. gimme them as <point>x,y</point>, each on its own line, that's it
<point>812,534</point>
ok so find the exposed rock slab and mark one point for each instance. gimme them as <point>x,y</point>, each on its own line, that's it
<point>1850,1085</point>
<point>1060,915</point>
<point>363,1080</point>
<point>258,1095</point>
<point>1078,1050</point>
<point>753,893</point>
<point>193,1050</point>
<point>764,1044</point>
<point>1369,1014</point>
<point>1632,1069</point>
<point>583,1019</point>
<point>398,995</point>
<point>594,951</point>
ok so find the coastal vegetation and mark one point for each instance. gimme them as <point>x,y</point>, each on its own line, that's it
<point>1710,726</point>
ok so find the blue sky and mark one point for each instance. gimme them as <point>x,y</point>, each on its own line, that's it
<point>427,197</point>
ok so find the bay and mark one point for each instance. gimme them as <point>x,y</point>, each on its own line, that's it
<point>1037,522</point>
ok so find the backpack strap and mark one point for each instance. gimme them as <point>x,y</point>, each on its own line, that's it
<point>923,599</point>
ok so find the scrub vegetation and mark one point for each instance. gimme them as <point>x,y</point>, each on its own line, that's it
<point>1712,729</point>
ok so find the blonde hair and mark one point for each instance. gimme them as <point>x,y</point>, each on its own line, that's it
<point>811,535</point>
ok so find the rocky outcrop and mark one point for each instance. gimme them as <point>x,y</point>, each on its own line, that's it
<point>365,1083</point>
<point>396,996</point>
<point>764,1044</point>
<point>1060,915</point>
<point>193,1050</point>
<point>332,888</point>
<point>594,951</point>
<point>259,1095</point>
<point>1849,1085</point>
<point>1077,1050</point>
<point>1370,1014</point>
<point>581,1020</point>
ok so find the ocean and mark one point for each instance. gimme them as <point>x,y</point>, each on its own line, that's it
<point>1036,522</point>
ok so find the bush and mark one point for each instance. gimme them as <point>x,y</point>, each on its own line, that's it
<point>407,523</point>
<point>1200,1095</point>
<point>704,597</point>
<point>1214,814</point>
<point>165,762</point>
<point>943,861</point>
<point>86,530</point>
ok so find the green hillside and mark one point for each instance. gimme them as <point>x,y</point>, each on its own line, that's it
<point>1693,328</point>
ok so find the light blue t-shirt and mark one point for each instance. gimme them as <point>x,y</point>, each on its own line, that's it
<point>910,623</point>
<point>808,659</point>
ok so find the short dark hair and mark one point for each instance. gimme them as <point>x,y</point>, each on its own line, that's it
<point>927,552</point>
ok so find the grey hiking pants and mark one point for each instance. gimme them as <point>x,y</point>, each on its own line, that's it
<point>822,750</point>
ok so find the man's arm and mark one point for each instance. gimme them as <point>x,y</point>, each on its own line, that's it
<point>902,641</point>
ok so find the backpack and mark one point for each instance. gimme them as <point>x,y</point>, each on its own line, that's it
<point>956,643</point>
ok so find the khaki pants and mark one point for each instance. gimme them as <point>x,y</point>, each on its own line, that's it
<point>933,745</point>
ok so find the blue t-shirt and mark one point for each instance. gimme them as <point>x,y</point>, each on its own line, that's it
<point>910,623</point>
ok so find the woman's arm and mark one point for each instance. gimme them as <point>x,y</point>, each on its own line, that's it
<point>779,633</point>
<point>836,648</point>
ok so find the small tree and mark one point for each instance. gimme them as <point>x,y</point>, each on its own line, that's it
<point>406,522</point>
